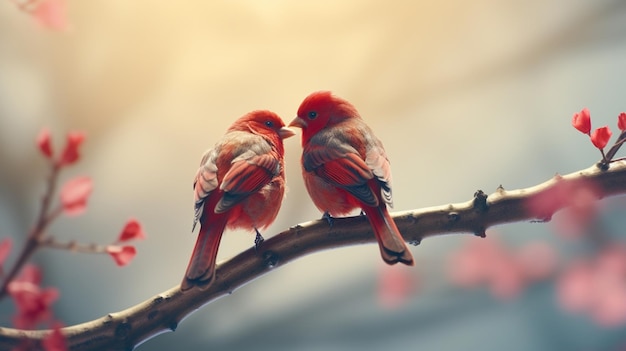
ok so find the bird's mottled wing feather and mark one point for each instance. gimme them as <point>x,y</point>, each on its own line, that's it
<point>343,167</point>
<point>248,173</point>
<point>204,183</point>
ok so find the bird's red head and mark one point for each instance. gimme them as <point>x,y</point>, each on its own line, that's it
<point>320,109</point>
<point>264,123</point>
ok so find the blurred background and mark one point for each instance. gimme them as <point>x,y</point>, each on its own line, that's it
<point>465,96</point>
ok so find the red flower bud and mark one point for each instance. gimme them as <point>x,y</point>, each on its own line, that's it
<point>44,143</point>
<point>621,121</point>
<point>582,121</point>
<point>600,137</point>
<point>70,154</point>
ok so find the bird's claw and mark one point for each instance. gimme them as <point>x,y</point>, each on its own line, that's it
<point>328,218</point>
<point>258,239</point>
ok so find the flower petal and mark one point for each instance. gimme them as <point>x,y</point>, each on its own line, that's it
<point>70,153</point>
<point>582,121</point>
<point>600,137</point>
<point>55,341</point>
<point>44,143</point>
<point>621,121</point>
<point>75,194</point>
<point>51,14</point>
<point>132,231</point>
<point>122,255</point>
<point>33,304</point>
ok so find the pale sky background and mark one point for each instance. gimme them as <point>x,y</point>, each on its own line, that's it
<point>465,96</point>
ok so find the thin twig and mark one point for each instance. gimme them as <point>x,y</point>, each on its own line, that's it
<point>613,150</point>
<point>36,234</point>
<point>73,246</point>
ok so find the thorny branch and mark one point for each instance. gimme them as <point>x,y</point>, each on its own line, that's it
<point>126,329</point>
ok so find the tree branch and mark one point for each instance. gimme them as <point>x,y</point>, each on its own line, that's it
<point>32,241</point>
<point>126,329</point>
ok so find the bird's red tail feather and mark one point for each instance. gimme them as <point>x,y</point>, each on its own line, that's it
<point>393,249</point>
<point>201,266</point>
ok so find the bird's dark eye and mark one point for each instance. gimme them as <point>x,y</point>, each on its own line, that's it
<point>312,115</point>
<point>269,124</point>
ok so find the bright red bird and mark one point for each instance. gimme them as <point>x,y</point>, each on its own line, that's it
<point>345,167</point>
<point>240,184</point>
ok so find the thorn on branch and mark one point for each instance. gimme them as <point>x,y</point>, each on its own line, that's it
<point>480,201</point>
<point>481,233</point>
<point>296,227</point>
<point>415,242</point>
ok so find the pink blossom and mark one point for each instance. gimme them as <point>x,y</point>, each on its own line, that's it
<point>578,199</point>
<point>70,153</point>
<point>55,341</point>
<point>507,279</point>
<point>537,260</point>
<point>395,286</point>
<point>122,255</point>
<point>74,195</point>
<point>503,271</point>
<point>44,143</point>
<point>470,265</point>
<point>574,287</point>
<point>600,137</point>
<point>582,121</point>
<point>597,287</point>
<point>132,231</point>
<point>33,303</point>
<point>51,14</point>
<point>621,121</point>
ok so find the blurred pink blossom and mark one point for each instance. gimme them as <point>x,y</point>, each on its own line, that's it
<point>34,304</point>
<point>396,284</point>
<point>505,272</point>
<point>74,195</point>
<point>132,231</point>
<point>5,249</point>
<point>55,341</point>
<point>597,287</point>
<point>51,14</point>
<point>578,201</point>
<point>538,259</point>
<point>574,286</point>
